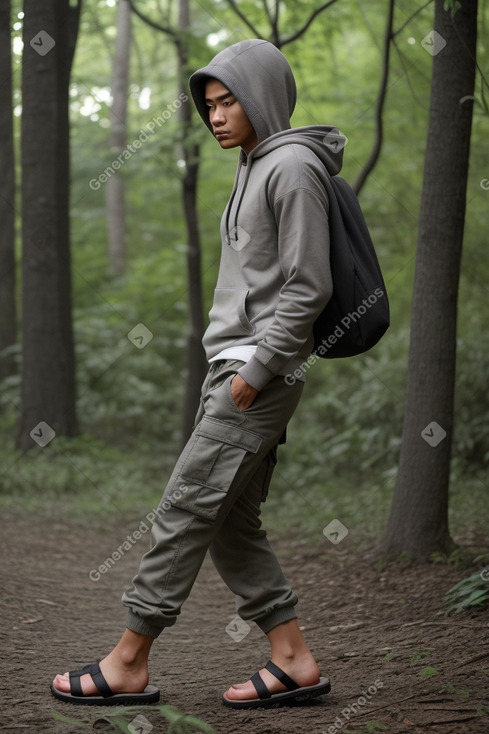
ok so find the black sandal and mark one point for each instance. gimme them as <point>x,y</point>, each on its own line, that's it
<point>105,696</point>
<point>294,695</point>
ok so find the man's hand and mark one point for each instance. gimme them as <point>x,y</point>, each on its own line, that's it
<point>242,393</point>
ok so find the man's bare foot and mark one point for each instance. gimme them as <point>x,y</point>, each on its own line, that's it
<point>304,671</point>
<point>125,669</point>
<point>291,654</point>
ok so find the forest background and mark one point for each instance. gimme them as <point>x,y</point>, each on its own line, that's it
<point>343,448</point>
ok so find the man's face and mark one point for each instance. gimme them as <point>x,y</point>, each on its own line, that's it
<point>230,124</point>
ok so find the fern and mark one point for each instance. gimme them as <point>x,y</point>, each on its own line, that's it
<point>472,591</point>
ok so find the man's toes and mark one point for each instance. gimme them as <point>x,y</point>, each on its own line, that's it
<point>241,691</point>
<point>231,693</point>
<point>62,683</point>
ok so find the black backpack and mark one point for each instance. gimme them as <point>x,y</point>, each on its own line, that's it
<point>357,315</point>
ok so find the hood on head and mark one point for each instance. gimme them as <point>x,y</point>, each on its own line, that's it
<point>260,78</point>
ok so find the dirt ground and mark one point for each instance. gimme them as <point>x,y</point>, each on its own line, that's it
<point>396,664</point>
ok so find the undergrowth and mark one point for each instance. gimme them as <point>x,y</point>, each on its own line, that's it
<point>342,450</point>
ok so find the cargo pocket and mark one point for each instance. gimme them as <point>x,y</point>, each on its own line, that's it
<point>270,461</point>
<point>216,455</point>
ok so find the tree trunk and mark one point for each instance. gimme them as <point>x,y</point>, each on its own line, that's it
<point>116,205</point>
<point>418,522</point>
<point>48,370</point>
<point>380,104</point>
<point>196,362</point>
<point>8,329</point>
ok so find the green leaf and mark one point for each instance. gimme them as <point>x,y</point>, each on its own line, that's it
<point>464,583</point>
<point>68,719</point>
<point>452,5</point>
<point>472,591</point>
<point>419,655</point>
<point>447,688</point>
<point>428,672</point>
<point>478,597</point>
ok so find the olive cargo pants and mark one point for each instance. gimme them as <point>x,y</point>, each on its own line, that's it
<point>212,501</point>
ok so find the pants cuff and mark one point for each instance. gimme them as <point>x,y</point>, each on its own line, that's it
<point>276,617</point>
<point>142,626</point>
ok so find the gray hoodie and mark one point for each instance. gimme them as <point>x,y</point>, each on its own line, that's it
<point>274,276</point>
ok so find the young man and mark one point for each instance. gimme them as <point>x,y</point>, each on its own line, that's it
<point>274,280</point>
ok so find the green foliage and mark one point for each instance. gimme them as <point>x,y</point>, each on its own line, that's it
<point>460,558</point>
<point>428,672</point>
<point>82,477</point>
<point>450,688</point>
<point>447,688</point>
<point>452,6</point>
<point>420,655</point>
<point>343,444</point>
<point>471,592</point>
<point>370,726</point>
<point>125,394</point>
<point>347,430</point>
<point>178,723</point>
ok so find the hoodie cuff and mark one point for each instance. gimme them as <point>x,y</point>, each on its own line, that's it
<point>255,373</point>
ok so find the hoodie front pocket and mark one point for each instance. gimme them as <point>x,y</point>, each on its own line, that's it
<point>228,313</point>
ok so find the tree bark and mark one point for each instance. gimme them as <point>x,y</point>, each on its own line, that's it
<point>418,521</point>
<point>196,362</point>
<point>115,193</point>
<point>8,328</point>
<point>48,371</point>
